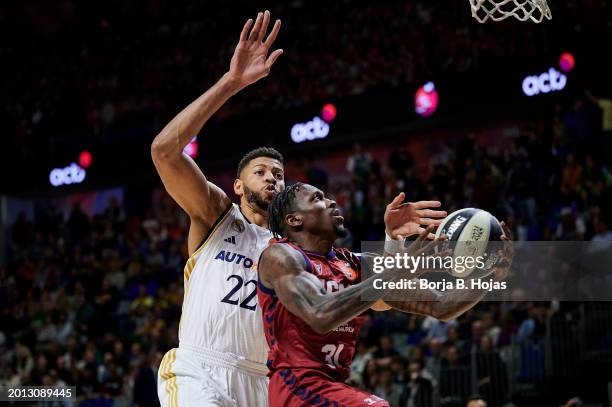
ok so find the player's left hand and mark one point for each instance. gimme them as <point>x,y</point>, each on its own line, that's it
<point>502,268</point>
<point>404,219</point>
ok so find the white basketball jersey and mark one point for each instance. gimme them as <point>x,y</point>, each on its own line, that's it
<point>220,310</point>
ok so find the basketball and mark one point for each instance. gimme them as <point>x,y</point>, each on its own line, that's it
<point>471,232</point>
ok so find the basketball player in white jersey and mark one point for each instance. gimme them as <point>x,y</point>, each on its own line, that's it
<point>222,349</point>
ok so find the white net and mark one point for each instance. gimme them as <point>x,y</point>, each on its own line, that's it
<point>523,10</point>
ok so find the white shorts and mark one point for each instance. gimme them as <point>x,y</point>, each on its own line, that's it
<point>189,377</point>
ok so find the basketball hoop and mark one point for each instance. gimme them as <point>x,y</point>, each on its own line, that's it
<point>497,10</point>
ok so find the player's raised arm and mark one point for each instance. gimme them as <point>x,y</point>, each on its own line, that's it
<point>452,303</point>
<point>183,179</point>
<point>284,270</point>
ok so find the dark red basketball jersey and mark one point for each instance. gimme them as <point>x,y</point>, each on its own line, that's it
<point>293,343</point>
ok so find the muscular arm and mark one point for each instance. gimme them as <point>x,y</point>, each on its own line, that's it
<point>202,200</point>
<point>284,270</point>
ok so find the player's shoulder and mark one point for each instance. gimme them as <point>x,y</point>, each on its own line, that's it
<point>282,253</point>
<point>279,249</point>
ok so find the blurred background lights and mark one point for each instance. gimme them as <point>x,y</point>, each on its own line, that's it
<point>328,112</point>
<point>426,100</point>
<point>567,62</point>
<point>85,159</point>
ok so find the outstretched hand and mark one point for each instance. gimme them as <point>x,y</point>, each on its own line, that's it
<point>251,60</point>
<point>403,219</point>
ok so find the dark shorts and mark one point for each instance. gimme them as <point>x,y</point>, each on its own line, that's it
<point>304,387</point>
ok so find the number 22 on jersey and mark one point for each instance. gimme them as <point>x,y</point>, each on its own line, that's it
<point>249,302</point>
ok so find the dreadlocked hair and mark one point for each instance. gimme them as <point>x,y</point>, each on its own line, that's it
<point>279,207</point>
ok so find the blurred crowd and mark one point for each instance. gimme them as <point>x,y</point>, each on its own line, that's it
<point>94,301</point>
<point>94,71</point>
<point>552,180</point>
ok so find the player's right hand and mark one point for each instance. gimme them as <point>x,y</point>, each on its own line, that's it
<point>251,60</point>
<point>423,247</point>
<point>506,254</point>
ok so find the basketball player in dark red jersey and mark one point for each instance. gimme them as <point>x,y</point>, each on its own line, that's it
<point>311,299</point>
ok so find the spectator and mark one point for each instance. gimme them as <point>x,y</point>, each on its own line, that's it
<point>436,329</point>
<point>361,358</point>
<point>571,177</point>
<point>385,351</point>
<point>387,388</point>
<point>455,379</point>
<point>358,165</point>
<point>491,372</point>
<point>418,391</point>
<point>400,160</point>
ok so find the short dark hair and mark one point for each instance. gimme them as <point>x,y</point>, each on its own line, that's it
<point>279,207</point>
<point>256,153</point>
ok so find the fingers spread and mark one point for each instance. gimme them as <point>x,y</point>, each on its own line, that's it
<point>429,221</point>
<point>506,230</point>
<point>264,26</point>
<point>272,58</point>
<point>397,201</point>
<point>423,235</point>
<point>431,246</point>
<point>272,37</point>
<point>427,204</point>
<point>430,213</point>
<point>244,35</point>
<point>255,31</point>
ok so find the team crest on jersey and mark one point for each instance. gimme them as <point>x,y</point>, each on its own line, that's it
<point>238,225</point>
<point>348,272</point>
<point>318,267</point>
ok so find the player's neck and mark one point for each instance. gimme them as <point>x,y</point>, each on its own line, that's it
<point>254,214</point>
<point>313,243</point>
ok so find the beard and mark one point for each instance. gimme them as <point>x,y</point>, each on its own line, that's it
<point>340,231</point>
<point>256,199</point>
